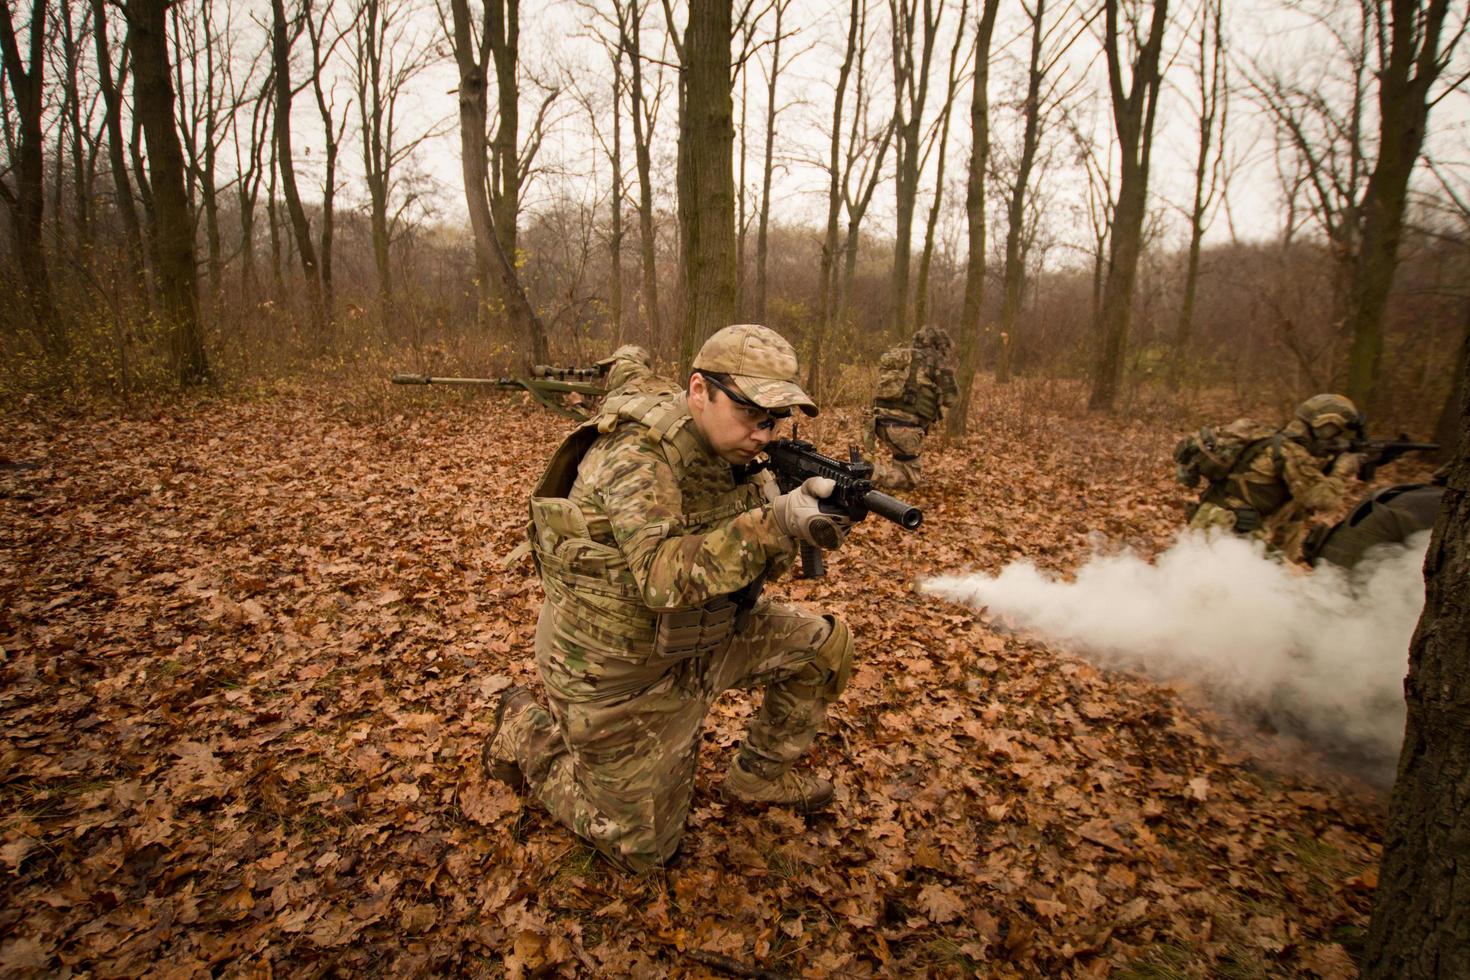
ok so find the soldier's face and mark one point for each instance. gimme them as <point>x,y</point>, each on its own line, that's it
<point>737,433</point>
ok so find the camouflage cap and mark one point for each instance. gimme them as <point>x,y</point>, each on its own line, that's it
<point>627,352</point>
<point>760,363</point>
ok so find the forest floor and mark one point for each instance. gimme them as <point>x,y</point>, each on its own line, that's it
<point>250,648</point>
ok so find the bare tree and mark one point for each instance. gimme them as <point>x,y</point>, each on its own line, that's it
<point>1211,72</point>
<point>706,177</point>
<point>1421,922</point>
<point>762,239</point>
<point>73,36</point>
<point>643,111</point>
<point>471,56</point>
<point>282,37</point>
<point>941,147</point>
<point>205,115</point>
<point>26,199</point>
<point>388,54</point>
<point>153,100</point>
<point>1134,108</point>
<point>827,302</point>
<point>975,191</point>
<point>111,90</point>
<point>1037,110</point>
<point>915,32</point>
<point>1417,56</point>
<point>325,35</point>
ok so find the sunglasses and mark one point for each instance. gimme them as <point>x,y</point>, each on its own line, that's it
<point>754,415</point>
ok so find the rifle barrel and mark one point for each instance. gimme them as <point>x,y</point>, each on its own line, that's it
<point>906,516</point>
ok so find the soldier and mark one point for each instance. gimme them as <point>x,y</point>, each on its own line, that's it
<point>628,363</point>
<point>652,545</point>
<point>1267,484</point>
<point>1390,515</point>
<point>915,385</point>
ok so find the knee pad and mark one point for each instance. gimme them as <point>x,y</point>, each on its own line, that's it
<point>834,658</point>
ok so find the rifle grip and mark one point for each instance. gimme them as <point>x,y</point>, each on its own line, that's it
<point>812,565</point>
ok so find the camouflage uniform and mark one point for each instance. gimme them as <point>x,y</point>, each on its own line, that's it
<point>1280,482</point>
<point>642,536</point>
<point>906,406</point>
<point>1388,516</point>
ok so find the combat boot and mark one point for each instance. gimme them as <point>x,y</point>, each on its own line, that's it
<point>802,790</point>
<point>498,757</point>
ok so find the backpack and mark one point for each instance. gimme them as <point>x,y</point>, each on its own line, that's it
<point>1213,454</point>
<point>897,370</point>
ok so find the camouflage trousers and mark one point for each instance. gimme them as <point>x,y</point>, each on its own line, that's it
<point>903,441</point>
<point>620,771</point>
<point>1282,532</point>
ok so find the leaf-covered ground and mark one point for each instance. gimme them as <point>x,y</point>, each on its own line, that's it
<point>249,650</point>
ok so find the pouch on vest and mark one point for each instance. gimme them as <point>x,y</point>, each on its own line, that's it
<point>690,632</point>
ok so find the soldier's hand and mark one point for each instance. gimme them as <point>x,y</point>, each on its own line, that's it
<point>1349,465</point>
<point>798,514</point>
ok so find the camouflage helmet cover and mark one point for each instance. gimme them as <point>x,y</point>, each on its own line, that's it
<point>761,364</point>
<point>627,352</point>
<point>1330,409</point>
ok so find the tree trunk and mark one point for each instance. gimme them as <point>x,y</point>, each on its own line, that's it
<point>911,88</point>
<point>27,201</point>
<point>1133,117</point>
<point>492,259</point>
<point>629,30</point>
<point>827,296</point>
<point>1403,107</point>
<point>153,98</point>
<point>615,244</point>
<point>300,226</point>
<point>926,257</point>
<point>974,303</point>
<point>503,21</point>
<point>112,122</point>
<point>1421,921</point>
<point>1013,279</point>
<point>706,177</point>
<point>762,233</point>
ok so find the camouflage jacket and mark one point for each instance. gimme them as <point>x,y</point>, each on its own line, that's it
<point>1284,474</point>
<point>637,519</point>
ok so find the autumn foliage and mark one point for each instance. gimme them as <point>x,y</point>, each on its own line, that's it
<point>249,650</point>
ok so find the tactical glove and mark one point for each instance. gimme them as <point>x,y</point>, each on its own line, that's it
<point>798,515</point>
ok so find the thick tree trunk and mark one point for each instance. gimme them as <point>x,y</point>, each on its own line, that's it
<point>1448,426</point>
<point>153,99</point>
<point>1403,107</point>
<point>504,22</point>
<point>971,325</point>
<point>1421,919</point>
<point>706,177</point>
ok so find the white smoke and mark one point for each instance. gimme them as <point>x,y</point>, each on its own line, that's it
<point>1322,654</point>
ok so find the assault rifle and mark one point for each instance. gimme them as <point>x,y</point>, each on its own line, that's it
<point>1380,452</point>
<point>545,389</point>
<point>793,461</point>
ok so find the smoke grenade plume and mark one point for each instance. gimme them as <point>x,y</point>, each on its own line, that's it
<point>1321,655</point>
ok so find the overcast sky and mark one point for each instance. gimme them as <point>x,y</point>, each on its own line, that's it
<point>558,47</point>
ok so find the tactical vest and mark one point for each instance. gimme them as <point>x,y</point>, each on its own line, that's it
<point>904,384</point>
<point>1265,495</point>
<point>587,578</point>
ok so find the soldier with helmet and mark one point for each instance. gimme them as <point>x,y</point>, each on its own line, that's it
<point>915,385</point>
<point>1268,484</point>
<point>653,541</point>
